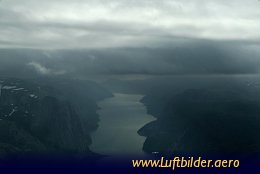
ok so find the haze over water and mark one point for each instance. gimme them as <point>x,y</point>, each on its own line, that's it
<point>120,118</point>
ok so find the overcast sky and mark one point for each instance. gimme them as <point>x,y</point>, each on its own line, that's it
<point>124,23</point>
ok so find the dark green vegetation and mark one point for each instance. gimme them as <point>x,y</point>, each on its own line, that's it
<point>48,116</point>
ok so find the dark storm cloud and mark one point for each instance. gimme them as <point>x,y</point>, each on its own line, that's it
<point>183,57</point>
<point>80,38</point>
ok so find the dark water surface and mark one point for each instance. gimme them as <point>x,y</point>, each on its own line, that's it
<point>120,118</point>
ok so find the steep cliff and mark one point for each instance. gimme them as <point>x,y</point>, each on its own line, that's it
<point>37,118</point>
<point>207,121</point>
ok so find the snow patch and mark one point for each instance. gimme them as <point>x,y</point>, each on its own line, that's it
<point>13,111</point>
<point>18,89</point>
<point>33,96</point>
<point>8,87</point>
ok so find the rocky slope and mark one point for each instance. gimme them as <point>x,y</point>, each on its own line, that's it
<point>206,121</point>
<point>41,117</point>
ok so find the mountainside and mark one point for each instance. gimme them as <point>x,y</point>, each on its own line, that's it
<point>199,114</point>
<point>42,118</point>
<point>212,120</point>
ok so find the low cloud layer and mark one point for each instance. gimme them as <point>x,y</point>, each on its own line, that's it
<point>195,57</point>
<point>82,38</point>
<point>42,70</point>
<point>63,24</point>
<point>39,68</point>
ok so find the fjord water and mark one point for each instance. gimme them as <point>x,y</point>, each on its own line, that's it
<point>120,118</point>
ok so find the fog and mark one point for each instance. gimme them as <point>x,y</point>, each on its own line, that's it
<point>184,57</point>
<point>84,38</point>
